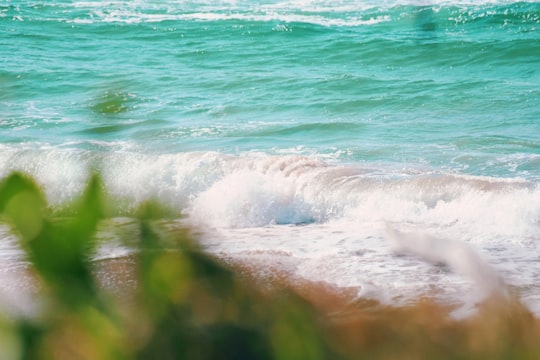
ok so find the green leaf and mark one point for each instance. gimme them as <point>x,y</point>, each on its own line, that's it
<point>23,203</point>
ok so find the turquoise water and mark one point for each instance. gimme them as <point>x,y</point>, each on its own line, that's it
<point>450,86</point>
<point>340,117</point>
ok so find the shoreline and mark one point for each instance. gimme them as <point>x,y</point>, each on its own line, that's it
<point>350,326</point>
<point>170,298</point>
<point>354,325</point>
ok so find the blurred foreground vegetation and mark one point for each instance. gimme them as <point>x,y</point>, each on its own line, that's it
<point>187,305</point>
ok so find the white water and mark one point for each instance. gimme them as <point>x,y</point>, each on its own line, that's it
<point>394,234</point>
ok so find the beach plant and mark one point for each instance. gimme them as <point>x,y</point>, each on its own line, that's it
<point>185,304</point>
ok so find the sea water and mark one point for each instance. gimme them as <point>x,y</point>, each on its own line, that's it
<point>388,146</point>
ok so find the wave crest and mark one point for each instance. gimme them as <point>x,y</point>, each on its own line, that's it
<point>254,190</point>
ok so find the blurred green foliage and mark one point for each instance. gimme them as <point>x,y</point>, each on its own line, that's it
<point>188,305</point>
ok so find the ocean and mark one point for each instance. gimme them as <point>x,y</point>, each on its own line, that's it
<point>392,147</point>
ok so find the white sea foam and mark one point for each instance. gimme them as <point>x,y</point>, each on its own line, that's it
<point>257,189</point>
<point>130,17</point>
<point>329,218</point>
<point>319,12</point>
